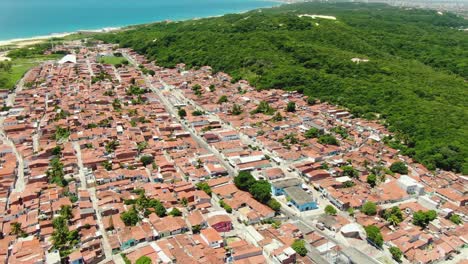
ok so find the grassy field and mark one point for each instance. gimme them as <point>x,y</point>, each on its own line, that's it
<point>112,60</point>
<point>19,68</point>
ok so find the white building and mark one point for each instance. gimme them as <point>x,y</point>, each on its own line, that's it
<point>70,58</point>
<point>410,185</point>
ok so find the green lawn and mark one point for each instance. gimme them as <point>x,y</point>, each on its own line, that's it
<point>112,60</point>
<point>19,68</point>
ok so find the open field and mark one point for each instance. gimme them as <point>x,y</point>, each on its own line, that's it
<point>112,60</point>
<point>20,66</point>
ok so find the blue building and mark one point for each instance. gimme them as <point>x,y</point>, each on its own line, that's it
<point>277,187</point>
<point>300,199</point>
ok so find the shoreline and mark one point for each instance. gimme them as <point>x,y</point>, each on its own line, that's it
<point>21,42</point>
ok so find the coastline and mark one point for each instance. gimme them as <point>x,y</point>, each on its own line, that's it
<point>26,41</point>
<point>21,42</point>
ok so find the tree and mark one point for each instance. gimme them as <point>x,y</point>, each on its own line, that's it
<point>196,229</point>
<point>182,113</point>
<point>291,107</point>
<point>328,140</point>
<point>261,191</point>
<point>393,215</point>
<point>142,146</point>
<point>277,117</point>
<point>197,113</point>
<point>350,171</point>
<point>62,238</point>
<point>146,160</point>
<point>226,206</point>
<point>456,219</point>
<point>369,208</point>
<point>56,173</point>
<point>396,253</point>
<point>330,210</point>
<point>374,235</point>
<point>57,151</point>
<point>299,246</point>
<point>222,99</point>
<point>143,260</point>
<point>175,212</point>
<point>204,187</point>
<point>61,133</point>
<point>244,180</point>
<point>348,184</point>
<point>312,133</point>
<point>422,219</point>
<point>212,88</point>
<point>184,201</point>
<point>111,146</point>
<point>274,204</point>
<point>310,100</point>
<point>16,229</point>
<point>66,212</point>
<point>399,167</point>
<point>125,258</point>
<point>159,209</point>
<point>293,60</point>
<point>130,217</point>
<point>236,109</point>
<point>372,180</point>
<point>263,108</point>
<point>107,165</point>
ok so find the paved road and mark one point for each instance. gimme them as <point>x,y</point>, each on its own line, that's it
<point>19,184</point>
<point>173,111</point>
<point>92,191</point>
<point>170,108</point>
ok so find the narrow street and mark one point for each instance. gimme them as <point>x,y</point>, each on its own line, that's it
<point>19,184</point>
<point>94,201</point>
<point>173,111</point>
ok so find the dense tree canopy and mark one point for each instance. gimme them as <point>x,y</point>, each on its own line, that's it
<point>422,219</point>
<point>415,76</point>
<point>330,210</point>
<point>369,208</point>
<point>244,180</point>
<point>299,247</point>
<point>374,235</point>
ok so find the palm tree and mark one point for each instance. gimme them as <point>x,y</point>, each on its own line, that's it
<point>16,229</point>
<point>393,220</point>
<point>66,212</point>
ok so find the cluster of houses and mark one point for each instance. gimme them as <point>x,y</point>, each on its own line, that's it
<point>94,138</point>
<point>279,140</point>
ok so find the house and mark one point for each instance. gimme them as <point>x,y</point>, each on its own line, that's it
<point>300,199</point>
<point>277,187</point>
<point>410,185</point>
<point>221,222</point>
<point>317,175</point>
<point>273,173</point>
<point>76,257</point>
<point>279,253</point>
<point>70,58</point>
<point>212,237</point>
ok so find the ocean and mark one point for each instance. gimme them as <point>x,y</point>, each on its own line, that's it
<point>31,18</point>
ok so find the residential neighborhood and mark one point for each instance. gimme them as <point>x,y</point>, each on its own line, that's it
<point>106,157</point>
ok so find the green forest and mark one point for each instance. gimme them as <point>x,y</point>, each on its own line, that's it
<point>415,79</point>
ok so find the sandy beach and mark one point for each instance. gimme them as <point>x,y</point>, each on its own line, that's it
<point>21,42</point>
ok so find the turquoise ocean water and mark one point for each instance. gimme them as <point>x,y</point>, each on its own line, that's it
<point>30,18</point>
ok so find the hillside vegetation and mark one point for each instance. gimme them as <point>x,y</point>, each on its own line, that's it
<point>415,78</point>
